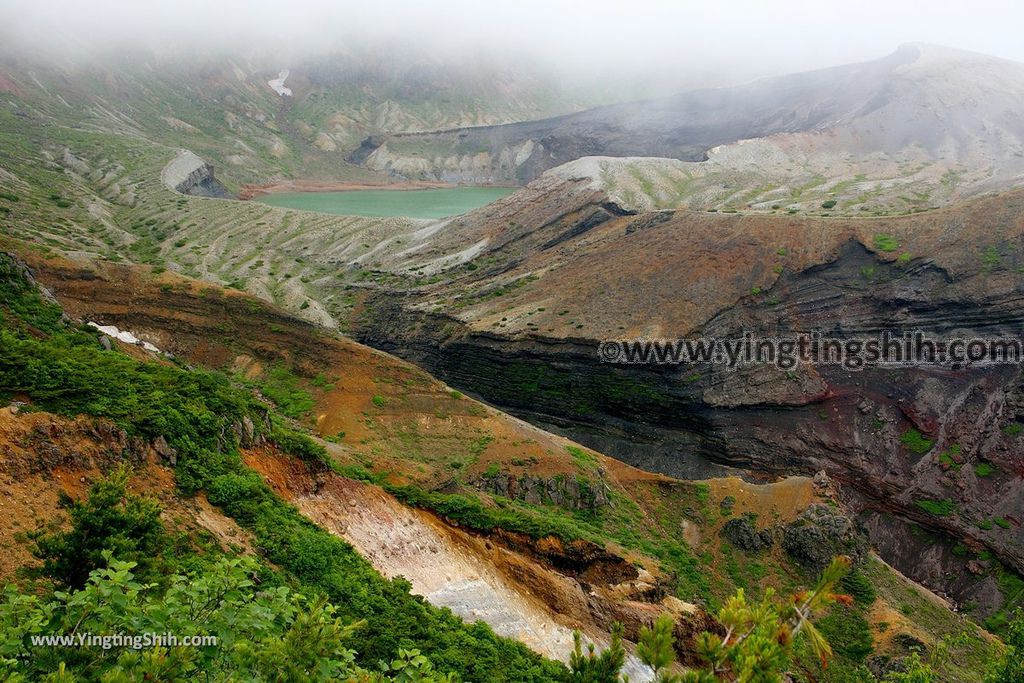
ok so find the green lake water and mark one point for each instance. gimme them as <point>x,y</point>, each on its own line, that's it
<point>428,203</point>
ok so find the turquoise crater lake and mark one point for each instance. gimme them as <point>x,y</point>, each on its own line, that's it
<point>427,203</point>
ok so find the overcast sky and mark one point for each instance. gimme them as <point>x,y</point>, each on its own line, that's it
<point>709,40</point>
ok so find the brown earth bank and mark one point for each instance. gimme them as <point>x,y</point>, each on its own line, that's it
<point>254,191</point>
<point>563,269</point>
<point>44,456</point>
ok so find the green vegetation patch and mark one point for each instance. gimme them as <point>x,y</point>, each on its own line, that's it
<point>284,388</point>
<point>581,457</point>
<point>939,508</point>
<point>984,469</point>
<point>886,243</point>
<point>916,442</point>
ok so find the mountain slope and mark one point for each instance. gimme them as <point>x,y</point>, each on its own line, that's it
<point>555,558</point>
<point>923,126</point>
<point>224,108</point>
<point>560,268</point>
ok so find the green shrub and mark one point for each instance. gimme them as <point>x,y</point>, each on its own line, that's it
<point>322,382</point>
<point>299,445</point>
<point>1009,666</point>
<point>473,513</point>
<point>984,469</point>
<point>848,632</point>
<point>916,442</point>
<point>828,204</point>
<point>860,587</point>
<point>263,633</point>
<point>990,257</point>
<point>108,520</point>
<point>581,457</point>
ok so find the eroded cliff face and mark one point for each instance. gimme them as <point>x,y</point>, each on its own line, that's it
<point>189,174</point>
<point>936,447</point>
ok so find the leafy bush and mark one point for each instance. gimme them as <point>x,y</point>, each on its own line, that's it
<point>108,520</point>
<point>473,513</point>
<point>282,387</point>
<point>828,204</point>
<point>591,667</point>
<point>1009,668</point>
<point>581,457</point>
<point>848,632</point>
<point>262,633</point>
<point>860,587</point>
<point>299,444</point>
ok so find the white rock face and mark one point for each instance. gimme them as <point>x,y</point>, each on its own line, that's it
<point>178,171</point>
<point>278,84</point>
<point>126,337</point>
<point>447,569</point>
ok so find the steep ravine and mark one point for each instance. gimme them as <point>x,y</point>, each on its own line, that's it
<point>694,422</point>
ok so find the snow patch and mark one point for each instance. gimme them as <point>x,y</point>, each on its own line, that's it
<point>278,84</point>
<point>126,337</point>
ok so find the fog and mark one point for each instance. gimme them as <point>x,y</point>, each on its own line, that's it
<point>678,42</point>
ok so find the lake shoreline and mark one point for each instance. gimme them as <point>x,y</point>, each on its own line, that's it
<point>248,192</point>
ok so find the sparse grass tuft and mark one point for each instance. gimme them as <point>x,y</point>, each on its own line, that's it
<point>887,243</point>
<point>939,508</point>
<point>915,442</point>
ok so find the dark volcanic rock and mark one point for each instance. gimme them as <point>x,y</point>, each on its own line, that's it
<point>743,534</point>
<point>820,534</point>
<point>574,493</point>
